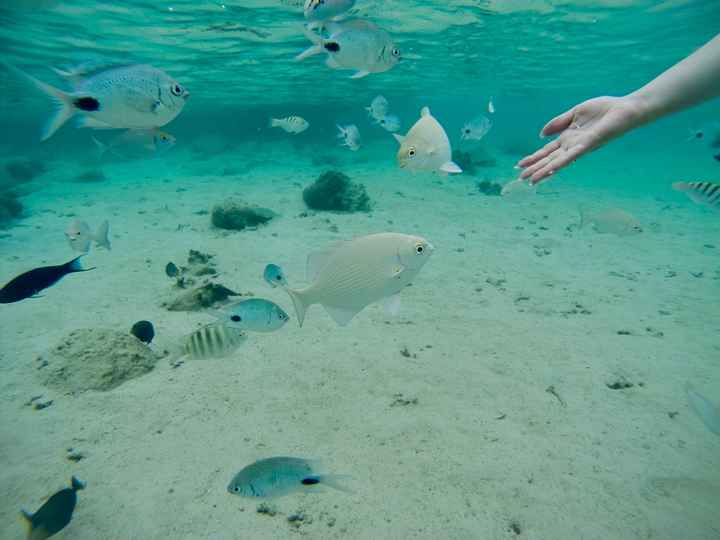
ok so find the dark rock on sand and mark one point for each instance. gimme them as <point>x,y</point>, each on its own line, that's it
<point>334,191</point>
<point>489,188</point>
<point>90,177</point>
<point>24,170</point>
<point>95,359</point>
<point>10,207</point>
<point>236,215</point>
<point>202,297</point>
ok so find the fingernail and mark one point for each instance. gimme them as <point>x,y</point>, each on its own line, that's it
<point>516,167</point>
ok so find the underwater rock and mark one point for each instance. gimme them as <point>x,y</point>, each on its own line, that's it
<point>492,189</point>
<point>10,207</point>
<point>24,170</point>
<point>201,297</point>
<point>335,192</point>
<point>89,177</point>
<point>236,215</point>
<point>95,359</point>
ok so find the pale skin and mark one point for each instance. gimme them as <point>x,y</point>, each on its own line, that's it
<point>597,121</point>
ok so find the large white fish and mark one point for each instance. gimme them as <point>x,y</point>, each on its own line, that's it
<point>350,136</point>
<point>426,146</point>
<point>291,124</point>
<point>352,275</point>
<point>355,44</point>
<point>129,97</point>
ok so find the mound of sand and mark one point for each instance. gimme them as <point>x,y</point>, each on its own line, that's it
<point>95,359</point>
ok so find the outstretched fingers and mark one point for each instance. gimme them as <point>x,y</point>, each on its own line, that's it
<point>557,161</point>
<point>558,124</point>
<point>540,154</point>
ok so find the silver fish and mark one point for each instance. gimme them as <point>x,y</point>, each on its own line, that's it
<point>475,129</point>
<point>350,136</point>
<point>704,193</point>
<point>355,44</point>
<point>324,10</point>
<point>390,123</point>
<point>274,275</point>
<point>613,221</point>
<point>426,146</point>
<point>378,108</point>
<point>291,124</point>
<point>278,476</point>
<point>137,143</point>
<point>80,237</point>
<point>254,314</point>
<point>214,341</point>
<point>131,97</point>
<point>352,275</point>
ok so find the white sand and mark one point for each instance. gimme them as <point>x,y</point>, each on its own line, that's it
<point>485,446</point>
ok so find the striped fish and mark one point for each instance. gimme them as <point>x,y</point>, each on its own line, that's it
<point>213,341</point>
<point>291,124</point>
<point>705,193</point>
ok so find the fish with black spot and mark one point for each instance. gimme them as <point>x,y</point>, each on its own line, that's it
<point>137,97</point>
<point>29,284</point>
<point>55,514</point>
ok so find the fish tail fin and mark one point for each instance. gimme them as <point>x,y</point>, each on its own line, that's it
<point>77,484</point>
<point>62,100</point>
<point>298,304</point>
<point>273,122</point>
<point>680,186</point>
<point>101,236</point>
<point>335,481</point>
<point>316,47</point>
<point>101,147</point>
<point>76,265</point>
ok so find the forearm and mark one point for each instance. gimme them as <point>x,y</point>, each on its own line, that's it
<point>689,82</point>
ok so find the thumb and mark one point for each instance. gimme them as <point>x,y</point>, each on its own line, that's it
<point>558,124</point>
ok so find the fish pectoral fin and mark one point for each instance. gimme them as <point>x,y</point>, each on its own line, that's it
<point>360,74</point>
<point>342,316</point>
<point>397,270</point>
<point>450,167</point>
<point>392,304</point>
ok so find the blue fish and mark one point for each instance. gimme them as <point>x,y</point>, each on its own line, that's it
<point>29,284</point>
<point>254,315</point>
<point>274,275</point>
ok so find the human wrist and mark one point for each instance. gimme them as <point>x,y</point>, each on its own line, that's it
<point>642,107</point>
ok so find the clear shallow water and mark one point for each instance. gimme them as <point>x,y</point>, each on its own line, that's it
<point>501,316</point>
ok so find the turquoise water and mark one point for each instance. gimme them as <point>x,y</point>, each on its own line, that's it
<point>485,408</point>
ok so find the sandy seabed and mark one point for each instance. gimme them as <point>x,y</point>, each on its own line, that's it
<point>482,412</point>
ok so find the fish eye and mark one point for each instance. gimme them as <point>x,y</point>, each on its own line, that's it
<point>411,152</point>
<point>467,130</point>
<point>419,248</point>
<point>699,135</point>
<point>236,489</point>
<point>176,90</point>
<point>236,318</point>
<point>396,52</point>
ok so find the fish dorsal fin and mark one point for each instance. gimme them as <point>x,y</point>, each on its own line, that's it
<point>399,138</point>
<point>342,316</point>
<point>317,260</point>
<point>425,111</point>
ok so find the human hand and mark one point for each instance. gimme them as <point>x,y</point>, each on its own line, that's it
<point>583,128</point>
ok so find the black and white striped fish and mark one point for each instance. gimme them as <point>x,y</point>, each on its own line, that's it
<point>705,193</point>
<point>214,341</point>
<point>291,124</point>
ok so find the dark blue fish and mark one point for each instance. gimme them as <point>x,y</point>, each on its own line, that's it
<point>274,275</point>
<point>55,514</point>
<point>30,283</point>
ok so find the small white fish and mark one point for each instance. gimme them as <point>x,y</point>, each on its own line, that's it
<point>80,237</point>
<point>317,11</point>
<point>517,187</point>
<point>355,44</point>
<point>137,143</point>
<point>128,97</point>
<point>378,108</point>
<point>291,124</point>
<point>491,107</point>
<point>214,341</point>
<point>351,136</point>
<point>704,193</point>
<point>349,276</point>
<point>390,123</point>
<point>613,221</point>
<point>426,146</point>
<point>706,411</point>
<point>476,129</point>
